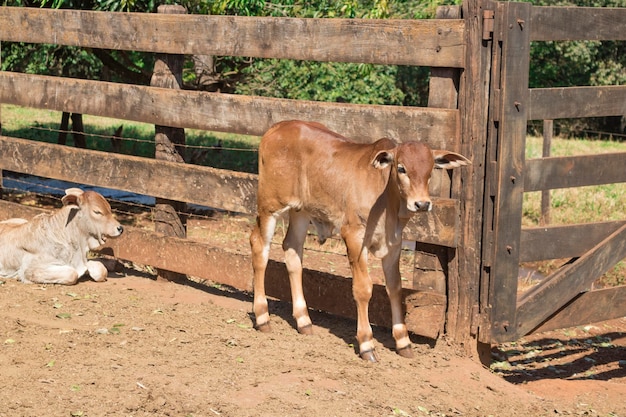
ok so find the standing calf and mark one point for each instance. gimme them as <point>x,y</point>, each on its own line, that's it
<point>52,248</point>
<point>365,192</point>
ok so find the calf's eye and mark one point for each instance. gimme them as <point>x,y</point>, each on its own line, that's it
<point>401,169</point>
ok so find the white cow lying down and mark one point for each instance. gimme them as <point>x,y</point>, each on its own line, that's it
<point>52,248</point>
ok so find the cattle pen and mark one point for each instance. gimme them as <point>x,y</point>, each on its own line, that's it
<point>468,250</point>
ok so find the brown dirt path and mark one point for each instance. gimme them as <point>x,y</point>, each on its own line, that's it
<point>133,346</point>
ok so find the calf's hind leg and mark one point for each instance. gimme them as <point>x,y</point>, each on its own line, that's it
<point>47,271</point>
<point>260,240</point>
<point>292,245</point>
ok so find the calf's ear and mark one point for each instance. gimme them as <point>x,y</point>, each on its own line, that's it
<point>71,196</point>
<point>449,160</point>
<point>382,159</point>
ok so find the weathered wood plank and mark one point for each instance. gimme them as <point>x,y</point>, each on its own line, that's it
<point>565,241</point>
<point>509,168</point>
<point>574,171</point>
<point>578,23</point>
<point>539,303</point>
<point>226,112</point>
<point>568,102</point>
<point>195,184</point>
<point>465,266</point>
<point>589,307</point>
<point>439,226</point>
<point>430,42</point>
<point>326,292</point>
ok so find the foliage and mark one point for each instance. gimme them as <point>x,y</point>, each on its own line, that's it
<point>303,80</point>
<point>553,64</point>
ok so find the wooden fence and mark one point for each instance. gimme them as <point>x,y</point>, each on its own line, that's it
<point>437,43</point>
<point>479,104</point>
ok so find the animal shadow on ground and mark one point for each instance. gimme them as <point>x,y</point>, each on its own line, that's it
<point>598,357</point>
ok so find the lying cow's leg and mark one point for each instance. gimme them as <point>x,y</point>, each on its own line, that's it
<point>97,271</point>
<point>292,245</point>
<point>260,240</point>
<point>362,292</point>
<point>393,283</point>
<point>43,272</point>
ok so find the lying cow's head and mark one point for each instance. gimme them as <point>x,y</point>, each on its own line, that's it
<point>96,217</point>
<point>412,165</point>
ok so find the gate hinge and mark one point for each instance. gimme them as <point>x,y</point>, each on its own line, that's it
<point>488,19</point>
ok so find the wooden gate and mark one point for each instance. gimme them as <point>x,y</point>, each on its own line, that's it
<point>564,298</point>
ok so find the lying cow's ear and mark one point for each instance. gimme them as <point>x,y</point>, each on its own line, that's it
<point>449,160</point>
<point>71,196</point>
<point>382,159</point>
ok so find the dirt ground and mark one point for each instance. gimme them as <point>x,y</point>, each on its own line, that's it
<point>137,346</point>
<point>134,346</point>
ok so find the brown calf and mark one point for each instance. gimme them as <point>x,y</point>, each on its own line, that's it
<point>366,193</point>
<point>52,248</point>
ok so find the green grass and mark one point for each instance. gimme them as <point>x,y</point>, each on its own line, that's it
<point>580,204</point>
<point>218,150</point>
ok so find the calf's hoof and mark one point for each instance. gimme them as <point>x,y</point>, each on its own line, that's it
<point>306,329</point>
<point>369,355</point>
<point>264,328</point>
<point>405,352</point>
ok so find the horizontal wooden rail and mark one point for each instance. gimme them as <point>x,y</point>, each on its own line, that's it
<point>578,23</point>
<point>432,42</point>
<point>565,241</point>
<point>571,102</point>
<point>588,307</point>
<point>226,112</point>
<point>228,190</point>
<point>574,171</point>
<point>211,187</point>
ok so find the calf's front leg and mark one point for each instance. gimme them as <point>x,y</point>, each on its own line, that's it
<point>362,292</point>
<point>97,271</point>
<point>393,284</point>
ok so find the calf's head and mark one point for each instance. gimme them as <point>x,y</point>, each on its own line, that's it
<point>94,217</point>
<point>412,165</point>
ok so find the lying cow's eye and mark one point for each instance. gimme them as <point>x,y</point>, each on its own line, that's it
<point>401,169</point>
<point>97,212</point>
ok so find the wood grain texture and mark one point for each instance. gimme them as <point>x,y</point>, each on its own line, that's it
<point>569,102</point>
<point>578,23</point>
<point>574,171</point>
<point>226,112</point>
<point>589,307</point>
<point>228,190</point>
<point>554,292</point>
<point>509,164</point>
<point>431,42</point>
<point>560,242</point>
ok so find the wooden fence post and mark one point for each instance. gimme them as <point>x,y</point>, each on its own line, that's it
<point>548,129</point>
<point>462,317</point>
<point>168,72</point>
<point>432,261</point>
